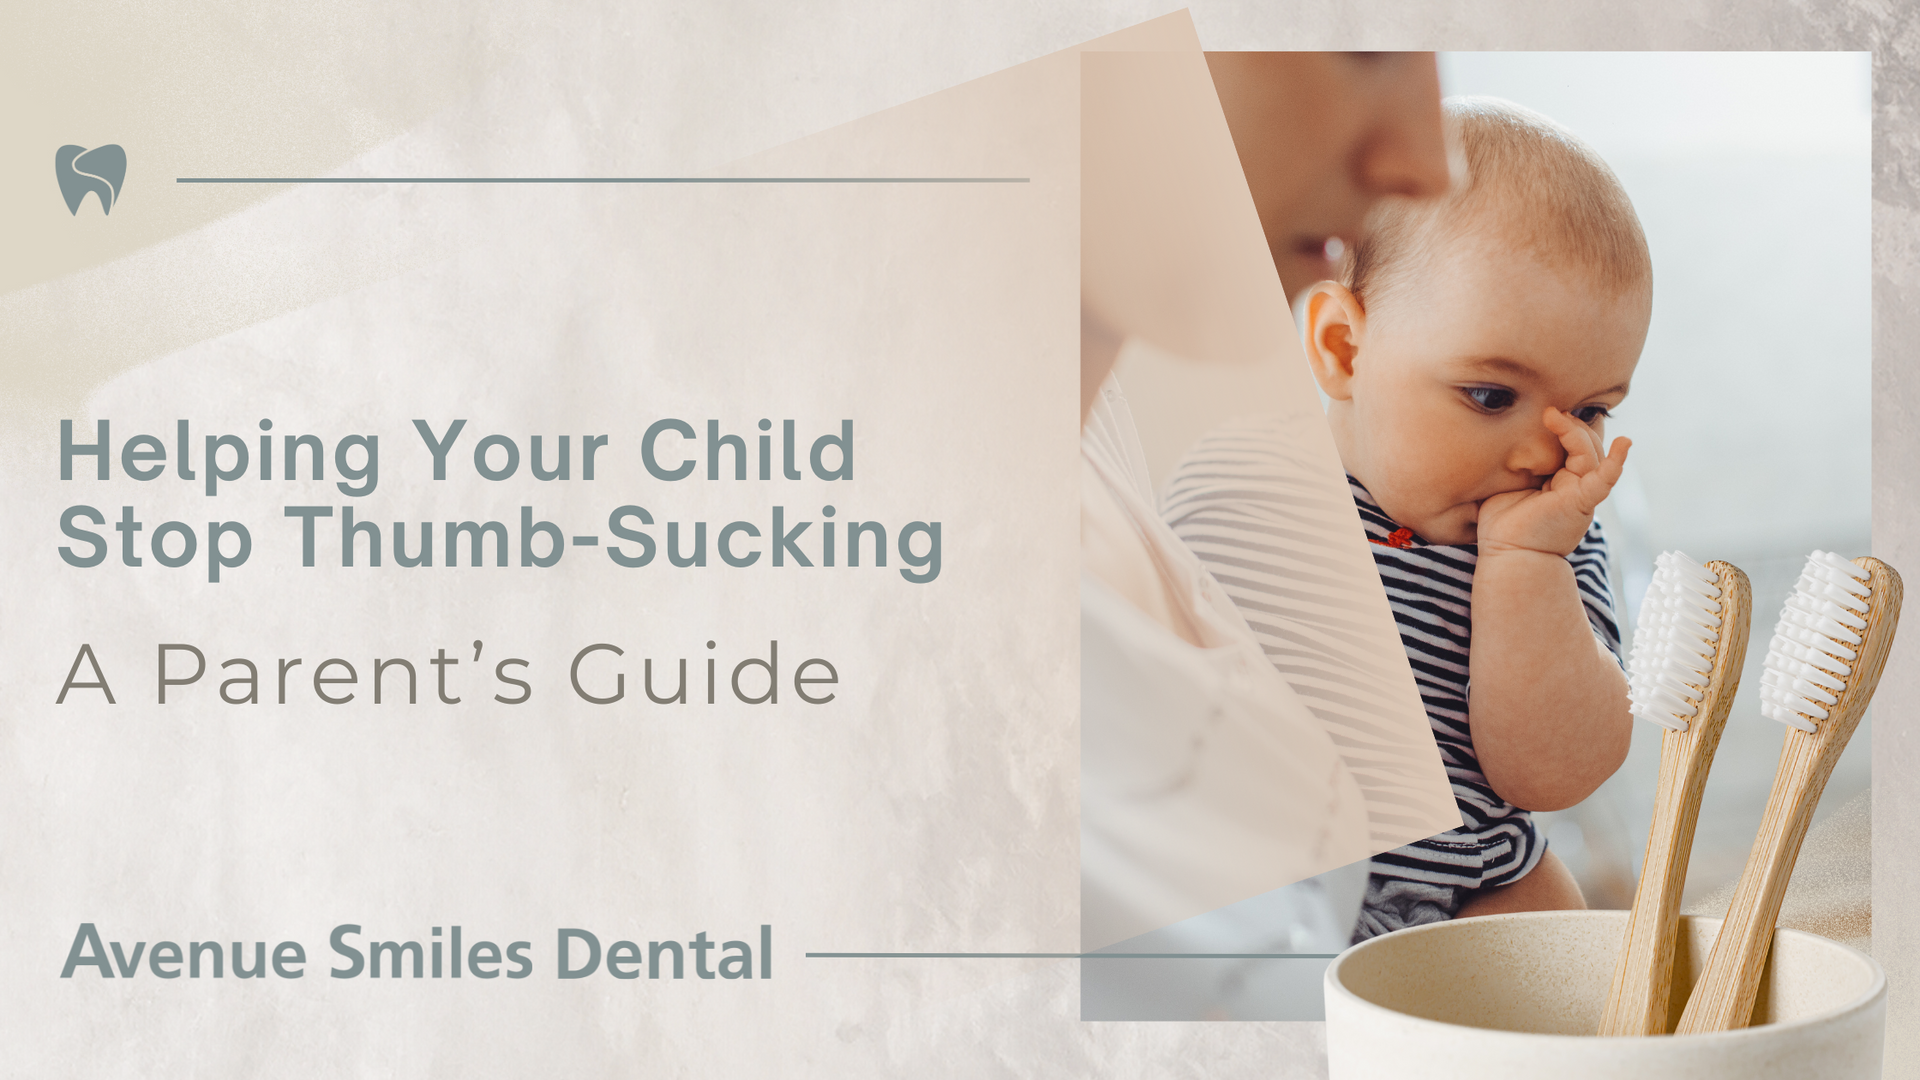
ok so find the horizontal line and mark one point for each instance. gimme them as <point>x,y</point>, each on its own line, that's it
<point>601,180</point>
<point>1069,956</point>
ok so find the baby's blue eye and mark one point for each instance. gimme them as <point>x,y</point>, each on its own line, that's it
<point>1490,398</point>
<point>1588,414</point>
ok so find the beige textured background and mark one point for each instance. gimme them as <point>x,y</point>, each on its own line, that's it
<point>617,88</point>
<point>930,806</point>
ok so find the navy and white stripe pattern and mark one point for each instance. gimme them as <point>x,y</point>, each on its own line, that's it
<point>1264,504</point>
<point>1222,503</point>
<point>1430,588</point>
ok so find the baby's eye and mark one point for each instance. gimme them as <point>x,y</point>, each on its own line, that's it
<point>1490,398</point>
<point>1591,414</point>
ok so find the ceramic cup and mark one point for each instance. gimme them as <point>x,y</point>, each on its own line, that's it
<point>1520,995</point>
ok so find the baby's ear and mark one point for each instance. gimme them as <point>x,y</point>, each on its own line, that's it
<point>1336,323</point>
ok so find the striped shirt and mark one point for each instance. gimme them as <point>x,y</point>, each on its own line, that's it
<point>1222,502</point>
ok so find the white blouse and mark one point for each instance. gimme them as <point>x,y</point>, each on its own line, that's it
<point>1204,779</point>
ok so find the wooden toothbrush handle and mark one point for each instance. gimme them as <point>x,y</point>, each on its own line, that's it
<point>1639,1001</point>
<point>1723,997</point>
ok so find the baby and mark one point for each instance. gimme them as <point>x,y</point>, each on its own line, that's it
<point>1472,352</point>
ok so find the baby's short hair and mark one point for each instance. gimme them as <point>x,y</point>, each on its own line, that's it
<point>1530,185</point>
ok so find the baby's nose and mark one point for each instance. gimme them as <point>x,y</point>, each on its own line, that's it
<point>1539,453</point>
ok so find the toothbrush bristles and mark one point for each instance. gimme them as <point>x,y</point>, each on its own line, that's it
<point>1813,646</point>
<point>1674,641</point>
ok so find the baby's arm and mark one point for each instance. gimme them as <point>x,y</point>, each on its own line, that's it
<point>1548,706</point>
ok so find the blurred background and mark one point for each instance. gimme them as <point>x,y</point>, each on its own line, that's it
<point>1749,411</point>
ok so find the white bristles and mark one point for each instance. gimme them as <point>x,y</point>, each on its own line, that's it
<point>1809,660</point>
<point>1674,641</point>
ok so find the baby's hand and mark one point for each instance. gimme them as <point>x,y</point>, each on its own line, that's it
<point>1554,518</point>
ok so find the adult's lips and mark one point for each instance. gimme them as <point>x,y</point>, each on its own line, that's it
<point>1316,258</point>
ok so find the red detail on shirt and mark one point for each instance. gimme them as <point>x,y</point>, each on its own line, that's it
<point>1398,538</point>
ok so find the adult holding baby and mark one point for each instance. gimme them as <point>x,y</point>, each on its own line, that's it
<point>1472,350</point>
<point>1195,752</point>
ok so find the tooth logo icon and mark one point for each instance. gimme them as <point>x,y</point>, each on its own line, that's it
<point>99,170</point>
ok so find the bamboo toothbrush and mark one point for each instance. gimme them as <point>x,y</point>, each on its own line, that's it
<point>1822,668</point>
<point>1688,646</point>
